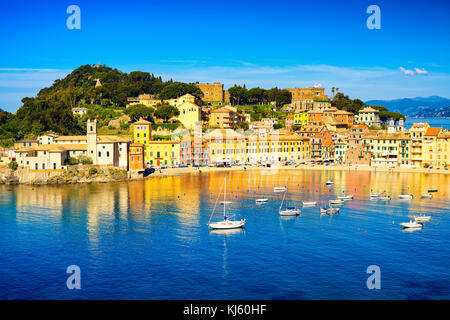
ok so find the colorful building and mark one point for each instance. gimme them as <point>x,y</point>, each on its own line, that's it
<point>368,116</point>
<point>162,153</point>
<point>226,146</point>
<point>212,92</point>
<point>190,115</point>
<point>136,156</point>
<point>430,149</point>
<point>417,132</point>
<point>301,118</point>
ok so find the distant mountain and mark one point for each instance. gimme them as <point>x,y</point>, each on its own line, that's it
<point>443,112</point>
<point>413,106</point>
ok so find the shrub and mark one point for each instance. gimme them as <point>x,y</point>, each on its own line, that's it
<point>84,159</point>
<point>93,171</point>
<point>13,165</point>
<point>72,161</point>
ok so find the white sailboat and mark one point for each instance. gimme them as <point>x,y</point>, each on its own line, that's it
<point>290,210</point>
<point>226,223</point>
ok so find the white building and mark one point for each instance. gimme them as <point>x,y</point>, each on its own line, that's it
<point>368,116</point>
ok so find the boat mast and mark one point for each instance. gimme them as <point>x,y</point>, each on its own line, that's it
<point>224,202</point>
<point>284,195</point>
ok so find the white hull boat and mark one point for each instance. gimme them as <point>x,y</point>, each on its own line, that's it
<point>290,212</point>
<point>225,223</point>
<point>346,197</point>
<point>337,201</point>
<point>411,224</point>
<point>279,189</point>
<point>384,198</point>
<point>329,210</point>
<point>262,200</point>
<point>420,219</point>
<point>329,183</point>
<point>225,202</point>
<point>374,195</point>
<point>406,196</point>
<point>426,196</point>
<point>309,204</point>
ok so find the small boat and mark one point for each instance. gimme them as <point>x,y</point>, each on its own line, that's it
<point>279,189</point>
<point>346,197</point>
<point>426,196</point>
<point>290,210</point>
<point>411,224</point>
<point>384,198</point>
<point>422,218</point>
<point>329,210</point>
<point>225,223</point>
<point>225,202</point>
<point>329,183</point>
<point>406,196</point>
<point>375,195</point>
<point>262,200</point>
<point>432,190</point>
<point>336,201</point>
<point>309,204</point>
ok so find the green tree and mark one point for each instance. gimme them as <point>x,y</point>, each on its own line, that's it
<point>140,111</point>
<point>13,165</point>
<point>166,112</point>
<point>177,89</point>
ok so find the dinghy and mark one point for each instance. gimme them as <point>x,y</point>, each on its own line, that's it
<point>279,189</point>
<point>346,197</point>
<point>422,218</point>
<point>262,200</point>
<point>329,210</point>
<point>375,195</point>
<point>336,201</point>
<point>329,183</point>
<point>426,196</point>
<point>406,196</point>
<point>384,198</point>
<point>309,204</point>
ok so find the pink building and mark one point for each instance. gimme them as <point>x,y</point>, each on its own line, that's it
<point>357,153</point>
<point>193,151</point>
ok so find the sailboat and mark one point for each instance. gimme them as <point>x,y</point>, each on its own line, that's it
<point>290,210</point>
<point>225,223</point>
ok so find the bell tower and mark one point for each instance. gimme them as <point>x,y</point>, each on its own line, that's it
<point>91,140</point>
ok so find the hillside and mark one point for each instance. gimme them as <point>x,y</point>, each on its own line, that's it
<point>433,113</point>
<point>411,106</point>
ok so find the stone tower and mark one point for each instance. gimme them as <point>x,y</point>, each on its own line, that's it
<point>91,140</point>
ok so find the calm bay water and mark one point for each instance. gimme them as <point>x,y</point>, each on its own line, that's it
<point>149,239</point>
<point>433,122</point>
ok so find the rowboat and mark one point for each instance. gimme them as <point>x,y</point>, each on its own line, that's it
<point>422,218</point>
<point>426,196</point>
<point>309,204</point>
<point>279,189</point>
<point>329,183</point>
<point>406,196</point>
<point>346,197</point>
<point>336,201</point>
<point>225,202</point>
<point>375,195</point>
<point>261,200</point>
<point>329,210</point>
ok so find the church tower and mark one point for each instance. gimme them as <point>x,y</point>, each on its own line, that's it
<point>91,140</point>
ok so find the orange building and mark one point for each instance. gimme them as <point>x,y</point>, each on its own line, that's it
<point>212,92</point>
<point>136,156</point>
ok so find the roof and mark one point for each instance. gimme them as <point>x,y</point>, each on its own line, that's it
<point>222,110</point>
<point>367,110</point>
<point>112,139</point>
<point>188,103</point>
<point>290,116</point>
<point>433,131</point>
<point>142,121</point>
<point>226,134</point>
<point>56,147</point>
<point>68,138</point>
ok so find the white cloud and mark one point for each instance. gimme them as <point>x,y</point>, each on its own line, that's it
<point>407,72</point>
<point>416,71</point>
<point>421,71</point>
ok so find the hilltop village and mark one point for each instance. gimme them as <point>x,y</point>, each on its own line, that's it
<point>215,130</point>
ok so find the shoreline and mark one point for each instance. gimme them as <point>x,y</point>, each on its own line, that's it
<point>55,178</point>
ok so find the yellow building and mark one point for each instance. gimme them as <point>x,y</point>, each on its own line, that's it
<point>226,146</point>
<point>291,147</point>
<point>212,92</point>
<point>190,114</point>
<point>431,154</point>
<point>308,93</point>
<point>301,118</point>
<point>417,132</point>
<point>443,145</point>
<point>151,101</point>
<point>162,153</point>
<point>142,131</point>
<point>389,150</point>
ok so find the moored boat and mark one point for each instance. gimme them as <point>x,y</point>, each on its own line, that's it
<point>422,218</point>
<point>411,224</point>
<point>426,196</point>
<point>279,189</point>
<point>329,183</point>
<point>329,210</point>
<point>346,197</point>
<point>384,198</point>
<point>336,201</point>
<point>262,200</point>
<point>290,210</point>
<point>309,203</point>
<point>406,196</point>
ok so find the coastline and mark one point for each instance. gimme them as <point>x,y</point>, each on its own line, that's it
<point>22,176</point>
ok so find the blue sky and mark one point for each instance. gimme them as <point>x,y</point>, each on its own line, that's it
<point>259,43</point>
